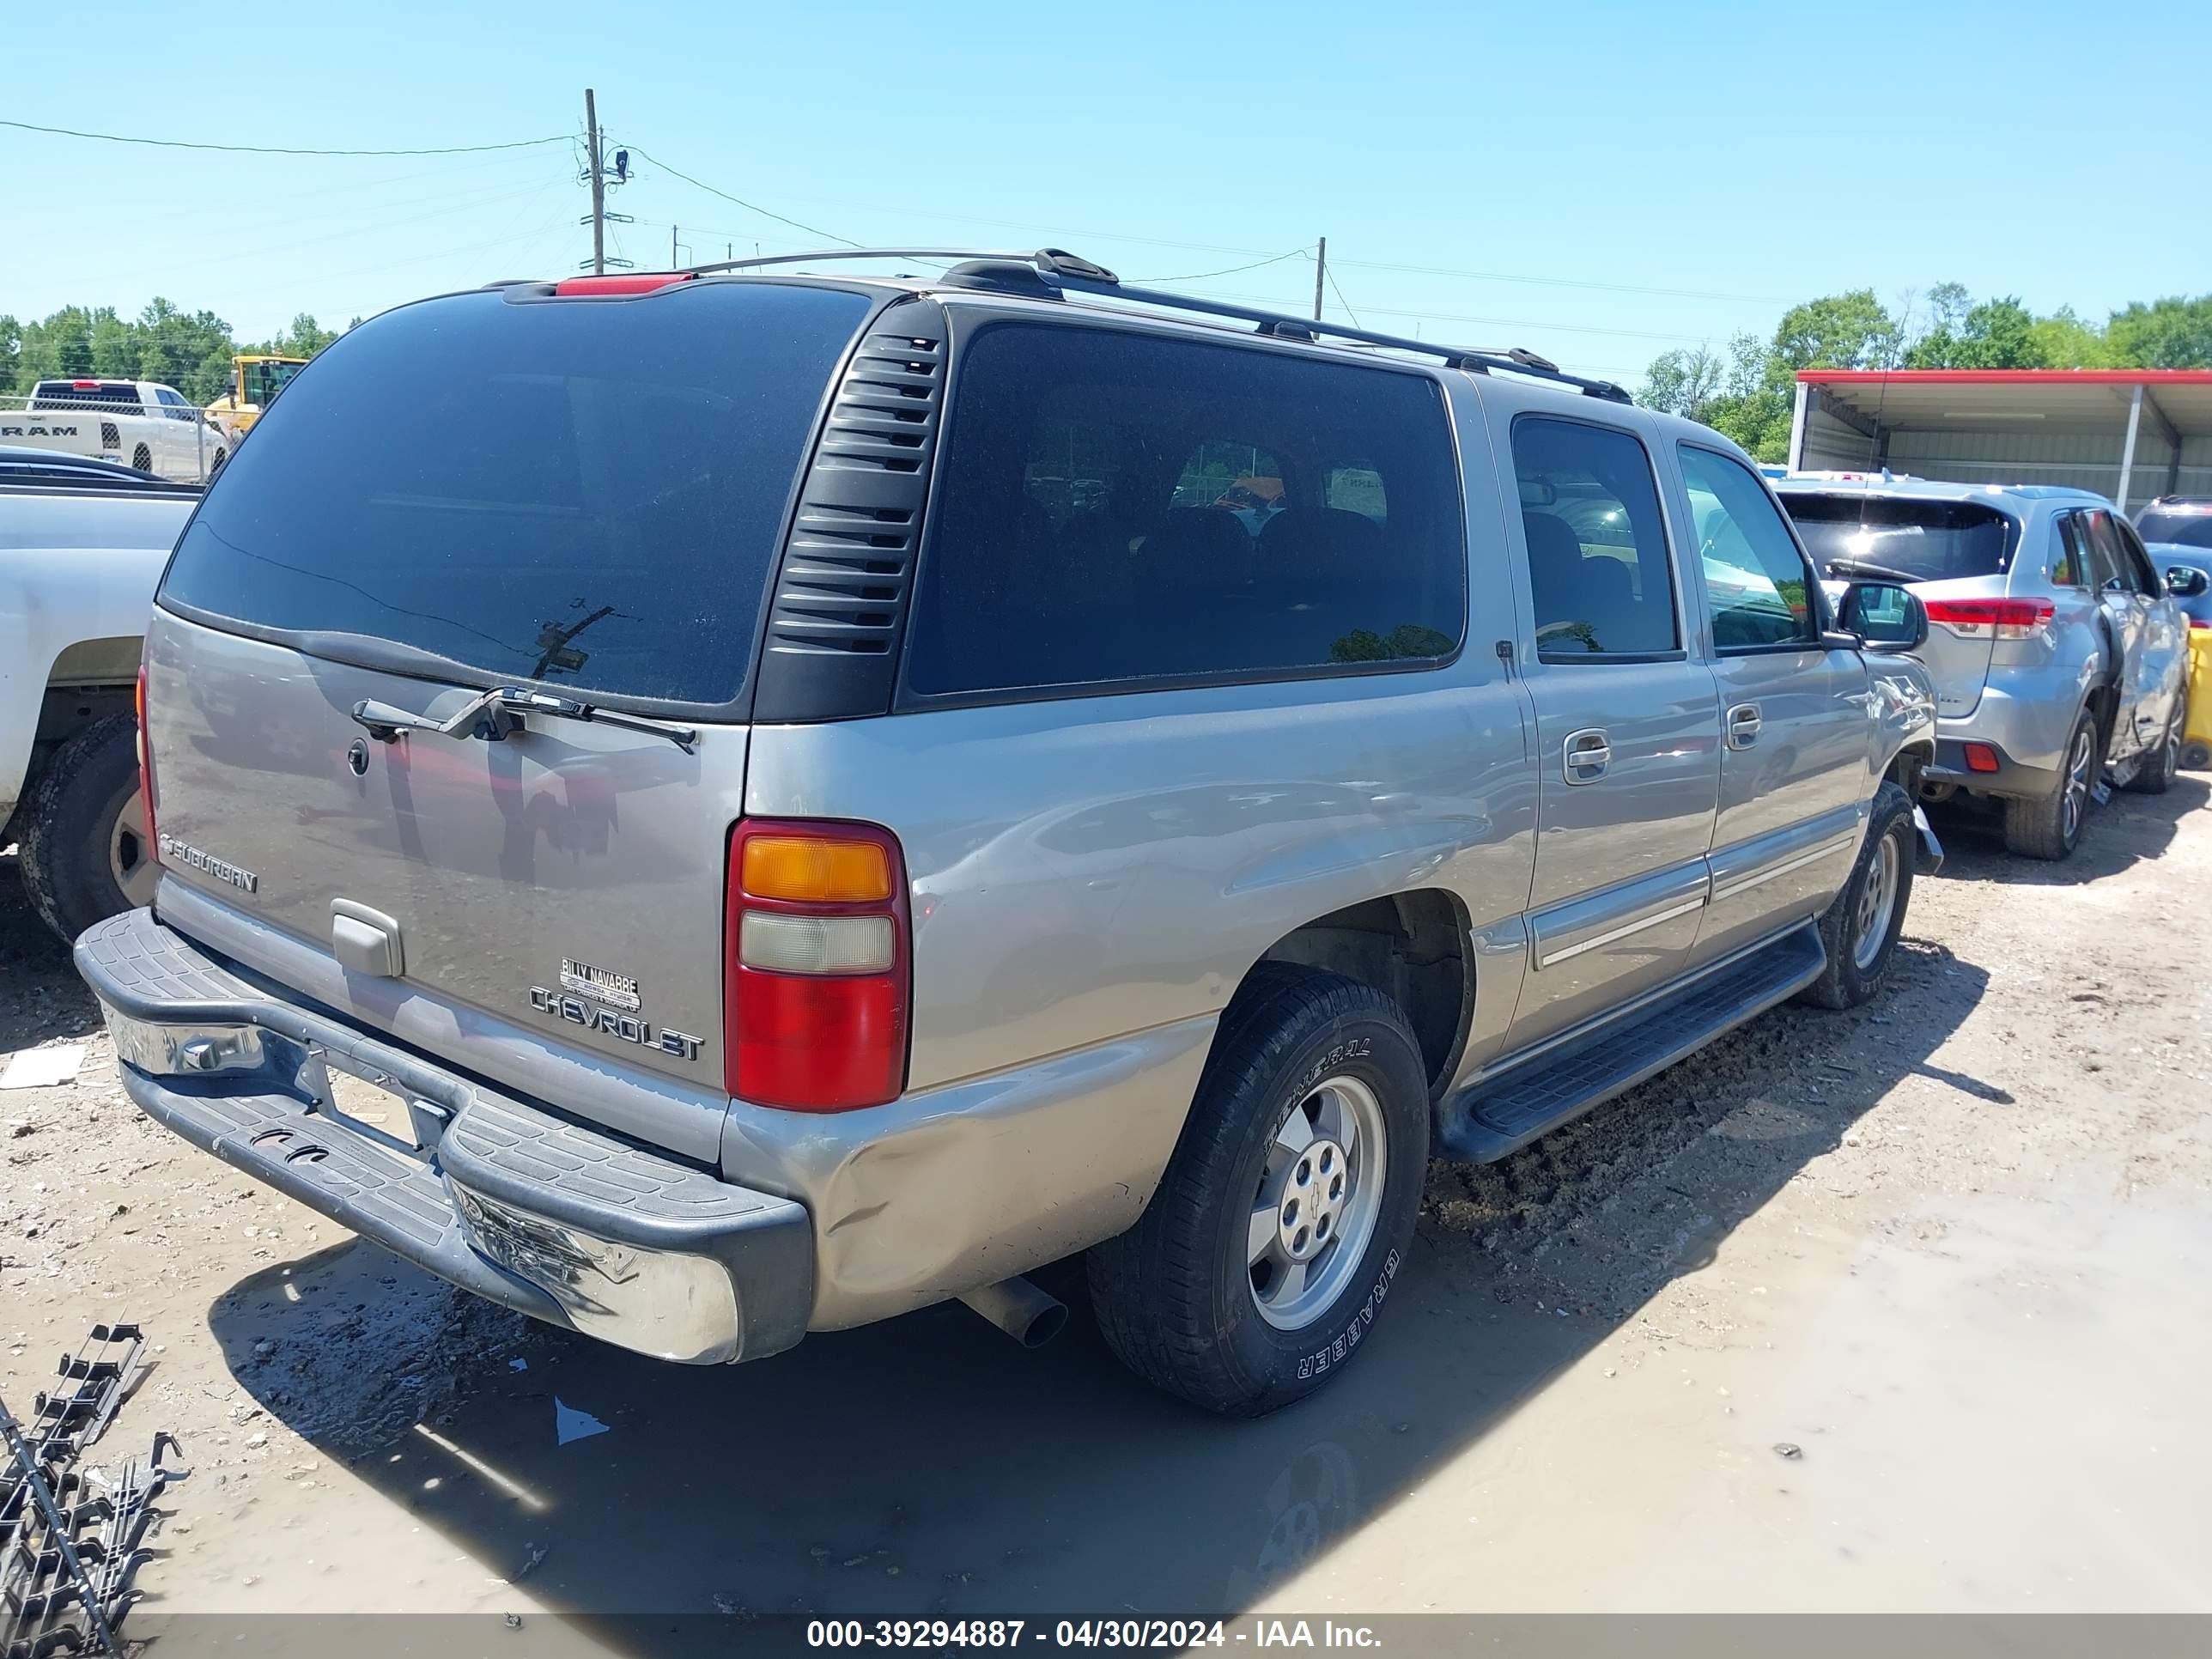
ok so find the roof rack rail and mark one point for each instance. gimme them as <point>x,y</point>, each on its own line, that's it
<point>1060,270</point>
<point>1049,261</point>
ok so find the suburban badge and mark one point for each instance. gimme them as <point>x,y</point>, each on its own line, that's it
<point>191,858</point>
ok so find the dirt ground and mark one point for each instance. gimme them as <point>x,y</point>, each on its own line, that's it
<point>1906,1308</point>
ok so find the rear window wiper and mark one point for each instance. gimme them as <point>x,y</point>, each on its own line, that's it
<point>1867,567</point>
<point>500,711</point>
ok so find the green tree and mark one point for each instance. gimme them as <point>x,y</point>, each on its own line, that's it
<point>1948,305</point>
<point>1685,383</point>
<point>2169,333</point>
<point>114,346</point>
<point>1842,330</point>
<point>304,339</point>
<point>192,350</point>
<point>59,346</point>
<point>1995,334</point>
<point>2066,342</point>
<point>188,350</point>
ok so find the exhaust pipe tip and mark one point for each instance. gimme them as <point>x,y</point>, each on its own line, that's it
<point>1047,1324</point>
<point>1031,1316</point>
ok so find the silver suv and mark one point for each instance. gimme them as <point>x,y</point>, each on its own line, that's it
<point>708,807</point>
<point>2056,649</point>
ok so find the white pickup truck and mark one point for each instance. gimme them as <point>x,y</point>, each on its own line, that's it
<point>141,424</point>
<point>79,558</point>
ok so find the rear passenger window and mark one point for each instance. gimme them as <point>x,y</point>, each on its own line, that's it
<point>1757,583</point>
<point>2136,565</point>
<point>1597,546</point>
<point>2071,567</point>
<point>1116,507</point>
<point>2104,552</point>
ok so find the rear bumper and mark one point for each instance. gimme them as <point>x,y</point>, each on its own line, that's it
<point>2011,777</point>
<point>2027,718</point>
<point>565,1224</point>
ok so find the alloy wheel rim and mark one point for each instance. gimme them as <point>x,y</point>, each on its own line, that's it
<point>135,872</point>
<point>1319,1196</point>
<point>2077,785</point>
<point>1877,902</point>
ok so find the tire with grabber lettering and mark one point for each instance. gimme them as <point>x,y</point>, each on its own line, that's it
<point>1269,1249</point>
<point>1860,929</point>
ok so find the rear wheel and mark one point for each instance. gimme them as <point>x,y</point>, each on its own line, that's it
<point>2051,828</point>
<point>84,851</point>
<point>1860,929</point>
<point>1264,1259</point>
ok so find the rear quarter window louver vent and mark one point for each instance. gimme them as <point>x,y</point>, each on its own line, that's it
<point>847,567</point>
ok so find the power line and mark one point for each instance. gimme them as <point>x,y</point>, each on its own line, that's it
<point>812,230</point>
<point>1341,300</point>
<point>274,149</point>
<point>1073,236</point>
<point>1202,276</point>
<point>1566,282</point>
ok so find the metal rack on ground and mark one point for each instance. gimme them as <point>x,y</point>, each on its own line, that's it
<point>73,1536</point>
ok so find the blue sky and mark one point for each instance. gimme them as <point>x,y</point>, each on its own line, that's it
<point>1597,183</point>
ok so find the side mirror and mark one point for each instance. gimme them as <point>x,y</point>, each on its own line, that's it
<point>1886,617</point>
<point>2186,581</point>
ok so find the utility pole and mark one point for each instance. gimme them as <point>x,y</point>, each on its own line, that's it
<point>671,247</point>
<point>600,188</point>
<point>1320,273</point>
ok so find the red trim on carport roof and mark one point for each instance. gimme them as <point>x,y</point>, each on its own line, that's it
<point>2006,376</point>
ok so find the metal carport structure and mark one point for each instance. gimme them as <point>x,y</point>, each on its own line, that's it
<point>2130,434</point>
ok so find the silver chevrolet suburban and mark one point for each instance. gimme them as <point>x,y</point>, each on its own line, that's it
<point>709,806</point>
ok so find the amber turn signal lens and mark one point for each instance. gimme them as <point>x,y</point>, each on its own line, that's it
<point>815,869</point>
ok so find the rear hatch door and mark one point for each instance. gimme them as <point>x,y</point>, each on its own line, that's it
<point>1948,552</point>
<point>581,496</point>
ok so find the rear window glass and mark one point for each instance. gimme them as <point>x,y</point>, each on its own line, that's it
<point>64,394</point>
<point>2181,525</point>
<point>1114,506</point>
<point>588,493</point>
<point>1885,538</point>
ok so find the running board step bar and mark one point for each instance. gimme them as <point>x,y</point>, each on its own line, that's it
<point>1502,1113</point>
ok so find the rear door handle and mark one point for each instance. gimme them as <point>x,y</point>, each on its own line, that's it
<point>1744,726</point>
<point>1585,755</point>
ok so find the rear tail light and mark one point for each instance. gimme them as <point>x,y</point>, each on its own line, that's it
<point>2003,619</point>
<point>1980,758</point>
<point>145,767</point>
<point>815,999</point>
